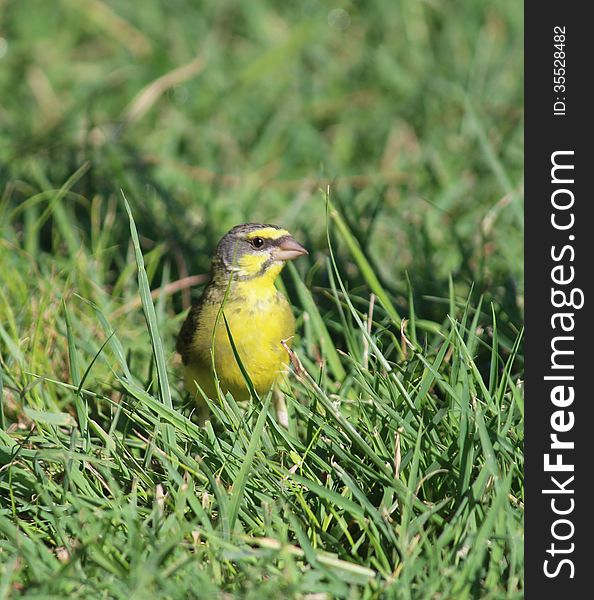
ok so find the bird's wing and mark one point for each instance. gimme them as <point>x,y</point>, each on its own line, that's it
<point>188,330</point>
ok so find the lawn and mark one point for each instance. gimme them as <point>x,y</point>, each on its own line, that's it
<point>388,138</point>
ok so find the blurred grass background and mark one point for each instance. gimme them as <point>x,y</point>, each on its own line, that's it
<point>208,114</point>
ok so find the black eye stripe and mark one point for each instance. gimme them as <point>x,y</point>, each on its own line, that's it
<point>259,242</point>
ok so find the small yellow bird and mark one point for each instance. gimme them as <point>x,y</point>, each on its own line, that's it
<point>247,261</point>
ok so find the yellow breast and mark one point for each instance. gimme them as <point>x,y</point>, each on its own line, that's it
<point>259,317</point>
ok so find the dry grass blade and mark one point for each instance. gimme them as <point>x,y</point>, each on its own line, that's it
<point>149,95</point>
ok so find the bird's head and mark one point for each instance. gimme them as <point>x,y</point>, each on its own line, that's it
<point>254,250</point>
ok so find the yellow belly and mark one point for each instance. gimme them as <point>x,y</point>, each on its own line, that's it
<point>257,325</point>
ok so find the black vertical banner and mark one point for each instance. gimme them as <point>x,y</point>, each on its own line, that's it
<point>559,254</point>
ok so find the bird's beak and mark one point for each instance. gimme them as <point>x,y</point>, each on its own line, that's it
<point>288,249</point>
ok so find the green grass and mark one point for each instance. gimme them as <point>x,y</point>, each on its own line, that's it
<point>400,472</point>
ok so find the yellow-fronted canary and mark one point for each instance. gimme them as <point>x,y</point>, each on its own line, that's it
<point>246,263</point>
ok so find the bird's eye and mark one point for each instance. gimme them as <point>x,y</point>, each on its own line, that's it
<point>257,242</point>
